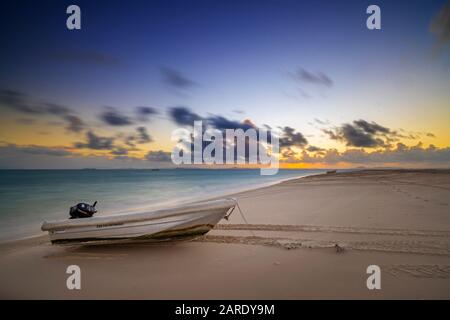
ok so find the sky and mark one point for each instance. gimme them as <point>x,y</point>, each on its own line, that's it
<point>338,94</point>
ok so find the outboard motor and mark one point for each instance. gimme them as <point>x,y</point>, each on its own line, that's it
<point>82,210</point>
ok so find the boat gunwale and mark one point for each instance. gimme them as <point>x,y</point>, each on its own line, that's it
<point>138,217</point>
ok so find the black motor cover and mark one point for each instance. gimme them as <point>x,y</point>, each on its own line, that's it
<point>82,210</point>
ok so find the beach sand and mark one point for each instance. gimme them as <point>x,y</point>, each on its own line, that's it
<point>396,219</point>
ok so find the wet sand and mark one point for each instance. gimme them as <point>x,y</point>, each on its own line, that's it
<point>396,219</point>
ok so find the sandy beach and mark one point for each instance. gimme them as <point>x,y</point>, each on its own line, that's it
<point>396,219</point>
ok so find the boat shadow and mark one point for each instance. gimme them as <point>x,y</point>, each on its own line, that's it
<point>114,250</point>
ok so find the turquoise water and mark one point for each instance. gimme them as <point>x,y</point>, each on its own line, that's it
<point>28,197</point>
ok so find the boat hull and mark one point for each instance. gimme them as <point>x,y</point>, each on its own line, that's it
<point>165,225</point>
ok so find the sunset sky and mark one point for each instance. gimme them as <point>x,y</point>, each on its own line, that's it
<point>338,94</point>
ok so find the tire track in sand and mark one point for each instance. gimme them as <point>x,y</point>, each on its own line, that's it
<point>334,229</point>
<point>420,271</point>
<point>440,248</point>
<point>432,242</point>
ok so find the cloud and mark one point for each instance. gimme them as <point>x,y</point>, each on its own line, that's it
<point>440,28</point>
<point>318,78</point>
<point>357,137</point>
<point>400,154</point>
<point>362,134</point>
<point>288,153</point>
<point>183,116</point>
<point>314,149</point>
<point>430,134</point>
<point>57,109</point>
<point>291,138</point>
<point>130,141</point>
<point>114,118</point>
<point>176,79</point>
<point>223,123</point>
<point>19,102</point>
<point>34,150</point>
<point>372,128</point>
<point>143,136</point>
<point>74,123</point>
<point>119,152</point>
<point>22,103</point>
<point>159,156</point>
<point>144,113</point>
<point>322,122</point>
<point>96,142</point>
<point>332,134</point>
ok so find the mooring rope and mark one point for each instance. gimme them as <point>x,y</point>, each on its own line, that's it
<point>243,216</point>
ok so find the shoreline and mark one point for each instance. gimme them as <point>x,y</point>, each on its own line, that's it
<point>184,201</point>
<point>261,186</point>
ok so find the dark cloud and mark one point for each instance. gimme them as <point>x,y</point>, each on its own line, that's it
<point>290,138</point>
<point>288,153</point>
<point>119,152</point>
<point>314,149</point>
<point>430,134</point>
<point>114,118</point>
<point>357,137</point>
<point>322,122</point>
<point>176,79</point>
<point>223,123</point>
<point>19,102</point>
<point>143,136</point>
<point>318,78</point>
<point>58,152</point>
<point>22,103</point>
<point>440,28</point>
<point>74,123</point>
<point>400,154</point>
<point>333,135</point>
<point>183,116</point>
<point>363,134</point>
<point>145,113</point>
<point>35,150</point>
<point>130,141</point>
<point>57,109</point>
<point>140,137</point>
<point>159,156</point>
<point>96,142</point>
<point>372,128</point>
